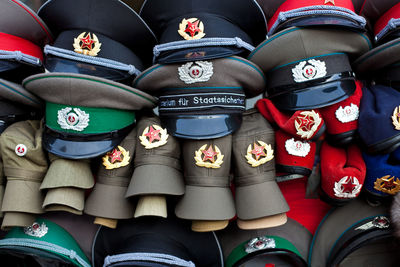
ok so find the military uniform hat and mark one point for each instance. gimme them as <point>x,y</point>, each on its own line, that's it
<point>285,245</point>
<point>202,99</point>
<point>257,194</point>
<point>315,13</point>
<point>206,165</point>
<point>86,116</point>
<point>309,68</point>
<point>157,161</point>
<point>155,241</point>
<point>200,30</point>
<point>355,235</point>
<point>42,242</point>
<point>107,200</point>
<point>103,38</point>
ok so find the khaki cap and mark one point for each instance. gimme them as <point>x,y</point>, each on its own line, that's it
<point>107,199</point>
<point>68,199</point>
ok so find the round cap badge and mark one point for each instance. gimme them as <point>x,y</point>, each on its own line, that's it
<point>21,150</point>
<point>191,29</point>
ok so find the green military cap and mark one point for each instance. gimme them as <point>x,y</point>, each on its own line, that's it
<point>43,242</point>
<point>25,165</point>
<point>206,165</point>
<point>157,161</point>
<point>107,200</point>
<point>65,183</point>
<point>256,193</point>
<point>356,234</point>
<point>86,116</point>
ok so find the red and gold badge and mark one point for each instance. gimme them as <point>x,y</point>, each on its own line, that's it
<point>259,154</point>
<point>209,158</point>
<point>117,158</point>
<point>191,29</point>
<point>307,123</point>
<point>86,44</point>
<point>153,136</point>
<point>387,184</point>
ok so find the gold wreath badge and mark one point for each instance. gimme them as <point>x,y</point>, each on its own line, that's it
<point>387,184</point>
<point>258,155</point>
<point>191,29</point>
<point>153,136</point>
<point>396,118</point>
<point>209,160</point>
<point>116,158</point>
<point>86,45</point>
<point>310,121</point>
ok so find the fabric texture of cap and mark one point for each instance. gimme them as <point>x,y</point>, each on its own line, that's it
<point>25,165</point>
<point>315,13</point>
<point>202,99</point>
<point>292,155</point>
<point>309,68</point>
<point>342,173</point>
<point>203,30</point>
<point>69,199</point>
<point>85,123</point>
<point>157,162</point>
<point>44,241</point>
<point>288,243</point>
<point>155,241</point>
<point>342,118</point>
<point>354,235</point>
<point>107,200</point>
<point>94,39</point>
<point>302,124</point>
<point>206,165</point>
<point>378,124</point>
<point>1,183</point>
<point>257,194</point>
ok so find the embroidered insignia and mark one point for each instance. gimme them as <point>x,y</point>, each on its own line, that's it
<point>307,123</point>
<point>347,113</point>
<point>211,158</point>
<point>153,136</point>
<point>381,222</point>
<point>309,70</point>
<point>116,158</point>
<point>36,229</point>
<point>347,187</point>
<point>76,120</point>
<point>191,29</point>
<point>396,118</point>
<point>86,45</point>
<point>330,1</point>
<point>297,148</point>
<point>195,72</point>
<point>259,243</point>
<point>387,184</point>
<point>259,154</point>
<point>21,150</point>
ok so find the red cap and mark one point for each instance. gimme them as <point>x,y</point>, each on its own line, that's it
<point>382,22</point>
<point>343,172</point>
<point>13,43</point>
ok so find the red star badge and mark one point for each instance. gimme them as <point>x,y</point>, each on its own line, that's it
<point>153,134</point>
<point>348,186</point>
<point>192,28</point>
<point>87,42</point>
<point>209,154</point>
<point>389,183</point>
<point>306,123</point>
<point>115,155</point>
<point>258,151</point>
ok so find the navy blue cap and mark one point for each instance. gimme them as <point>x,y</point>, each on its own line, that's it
<point>378,124</point>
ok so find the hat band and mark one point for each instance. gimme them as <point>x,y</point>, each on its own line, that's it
<point>147,257</point>
<point>20,57</point>
<point>317,11</point>
<point>104,62</point>
<point>392,24</point>
<point>86,120</point>
<point>203,99</point>
<point>11,43</point>
<point>204,42</point>
<point>259,244</point>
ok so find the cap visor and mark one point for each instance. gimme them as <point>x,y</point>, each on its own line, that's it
<point>164,180</point>
<point>108,201</point>
<point>259,200</point>
<point>206,203</point>
<point>22,196</point>
<point>317,96</point>
<point>66,196</point>
<point>202,126</point>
